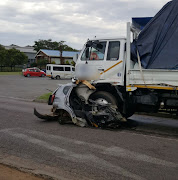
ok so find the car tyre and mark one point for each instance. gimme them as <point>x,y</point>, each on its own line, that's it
<point>28,75</point>
<point>42,75</point>
<point>58,77</point>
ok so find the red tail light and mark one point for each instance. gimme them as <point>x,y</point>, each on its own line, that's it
<point>52,99</point>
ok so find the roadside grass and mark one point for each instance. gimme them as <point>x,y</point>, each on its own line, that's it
<point>43,98</point>
<point>11,73</point>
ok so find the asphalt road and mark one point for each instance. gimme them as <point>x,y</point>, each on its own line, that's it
<point>71,152</point>
<point>21,87</point>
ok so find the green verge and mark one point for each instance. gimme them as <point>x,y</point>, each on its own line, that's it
<point>43,98</point>
<point>10,73</point>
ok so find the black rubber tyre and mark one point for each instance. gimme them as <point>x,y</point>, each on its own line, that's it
<point>28,75</point>
<point>57,77</point>
<point>42,75</point>
<point>110,99</point>
<point>105,96</point>
<point>60,120</point>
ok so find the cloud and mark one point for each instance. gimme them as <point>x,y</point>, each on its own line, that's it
<point>73,21</point>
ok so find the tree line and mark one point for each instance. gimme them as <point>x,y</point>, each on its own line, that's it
<point>52,45</point>
<point>11,58</point>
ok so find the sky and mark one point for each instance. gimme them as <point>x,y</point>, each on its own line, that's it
<point>74,21</point>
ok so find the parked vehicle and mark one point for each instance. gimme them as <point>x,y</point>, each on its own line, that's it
<point>44,70</point>
<point>111,84</point>
<point>59,71</point>
<point>33,72</point>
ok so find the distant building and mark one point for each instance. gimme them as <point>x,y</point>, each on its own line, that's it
<point>54,55</point>
<point>28,50</point>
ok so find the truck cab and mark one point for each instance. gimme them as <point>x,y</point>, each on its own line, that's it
<point>102,60</point>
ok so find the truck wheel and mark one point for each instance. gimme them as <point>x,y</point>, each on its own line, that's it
<point>103,97</point>
<point>57,77</point>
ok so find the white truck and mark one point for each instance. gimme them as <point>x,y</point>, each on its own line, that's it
<point>109,86</point>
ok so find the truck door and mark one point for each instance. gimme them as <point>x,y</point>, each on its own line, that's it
<point>96,57</point>
<point>113,65</point>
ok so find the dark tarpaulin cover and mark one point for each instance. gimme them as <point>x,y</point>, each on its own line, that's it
<point>140,23</point>
<point>157,43</point>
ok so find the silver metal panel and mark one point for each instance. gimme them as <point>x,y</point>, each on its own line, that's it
<point>154,76</point>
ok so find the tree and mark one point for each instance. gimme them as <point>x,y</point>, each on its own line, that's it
<point>2,56</point>
<point>15,57</point>
<point>41,63</point>
<point>21,58</point>
<point>33,64</point>
<point>73,63</point>
<point>11,57</point>
<point>61,49</point>
<point>67,62</point>
<point>51,45</point>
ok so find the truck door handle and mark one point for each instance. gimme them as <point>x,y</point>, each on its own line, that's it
<point>100,69</point>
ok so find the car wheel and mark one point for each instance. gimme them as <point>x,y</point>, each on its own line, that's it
<point>57,77</point>
<point>42,75</point>
<point>28,75</point>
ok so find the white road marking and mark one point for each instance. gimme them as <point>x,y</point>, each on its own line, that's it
<point>113,151</point>
<point>151,136</point>
<point>16,98</point>
<point>65,154</point>
<point>124,153</point>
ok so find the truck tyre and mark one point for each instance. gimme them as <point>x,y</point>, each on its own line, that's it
<point>109,98</point>
<point>104,97</point>
<point>57,77</point>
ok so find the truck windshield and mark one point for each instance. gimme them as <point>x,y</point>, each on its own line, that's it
<point>95,53</point>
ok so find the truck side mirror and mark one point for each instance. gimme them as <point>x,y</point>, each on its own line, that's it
<point>89,44</point>
<point>87,53</point>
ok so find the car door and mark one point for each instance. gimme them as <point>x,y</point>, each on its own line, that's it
<point>38,72</point>
<point>31,72</point>
<point>35,72</point>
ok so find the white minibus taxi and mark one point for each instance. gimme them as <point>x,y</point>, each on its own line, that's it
<point>59,71</point>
